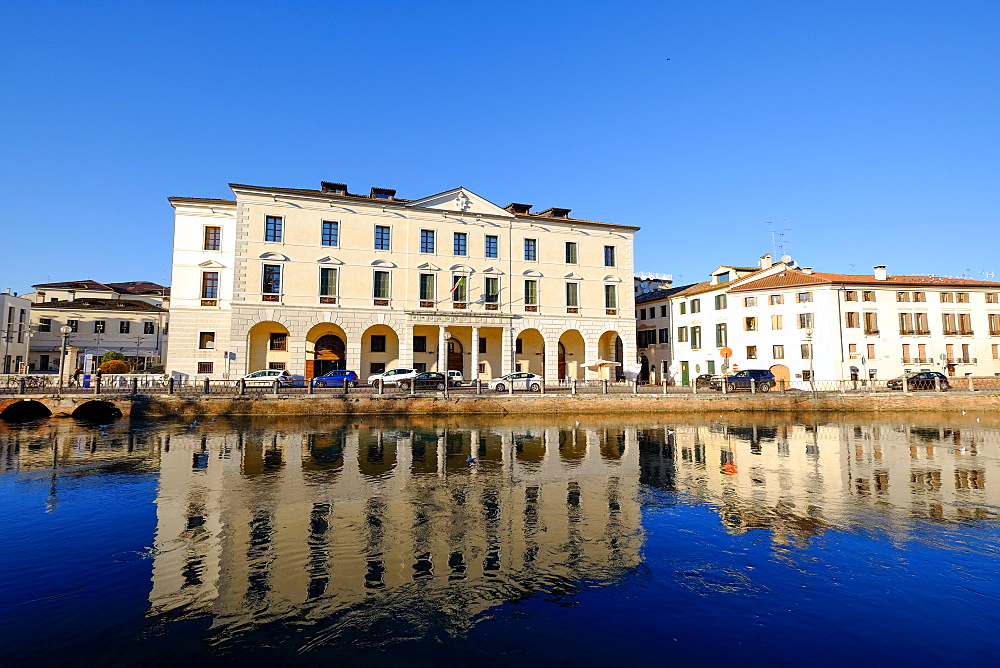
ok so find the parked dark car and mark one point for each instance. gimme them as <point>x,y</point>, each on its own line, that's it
<point>919,380</point>
<point>740,381</point>
<point>428,380</point>
<point>704,380</point>
<point>336,379</point>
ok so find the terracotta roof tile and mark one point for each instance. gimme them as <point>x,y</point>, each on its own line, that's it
<point>792,278</point>
<point>87,304</point>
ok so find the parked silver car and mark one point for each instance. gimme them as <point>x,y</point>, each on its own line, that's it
<point>519,381</point>
<point>392,377</point>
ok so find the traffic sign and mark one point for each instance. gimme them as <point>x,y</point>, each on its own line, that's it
<point>726,352</point>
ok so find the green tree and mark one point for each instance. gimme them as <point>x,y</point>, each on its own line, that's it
<point>113,355</point>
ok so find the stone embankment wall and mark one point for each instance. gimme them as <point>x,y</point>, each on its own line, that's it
<point>170,406</point>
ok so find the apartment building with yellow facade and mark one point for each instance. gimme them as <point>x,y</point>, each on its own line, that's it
<point>315,280</point>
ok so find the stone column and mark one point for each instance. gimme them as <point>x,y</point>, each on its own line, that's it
<point>442,349</point>
<point>506,351</point>
<point>406,346</point>
<point>590,346</point>
<point>551,358</point>
<point>474,361</point>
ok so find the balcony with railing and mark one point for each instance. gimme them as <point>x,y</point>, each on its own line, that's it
<point>962,360</point>
<point>917,360</point>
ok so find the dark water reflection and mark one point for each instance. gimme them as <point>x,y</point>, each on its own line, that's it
<point>434,541</point>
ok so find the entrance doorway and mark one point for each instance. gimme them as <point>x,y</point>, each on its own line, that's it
<point>330,356</point>
<point>562,361</point>
<point>456,356</point>
<point>644,371</point>
<point>685,374</point>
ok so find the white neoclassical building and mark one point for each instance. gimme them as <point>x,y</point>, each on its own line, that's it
<point>314,280</point>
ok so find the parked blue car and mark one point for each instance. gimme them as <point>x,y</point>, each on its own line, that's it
<point>336,379</point>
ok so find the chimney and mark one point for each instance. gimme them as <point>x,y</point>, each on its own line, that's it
<point>807,270</point>
<point>516,208</point>
<point>880,273</point>
<point>766,261</point>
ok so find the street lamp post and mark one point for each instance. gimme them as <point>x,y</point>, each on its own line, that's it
<point>812,372</point>
<point>64,330</point>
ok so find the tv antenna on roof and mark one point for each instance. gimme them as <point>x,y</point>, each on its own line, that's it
<point>778,238</point>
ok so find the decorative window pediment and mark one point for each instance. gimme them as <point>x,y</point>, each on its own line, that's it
<point>384,263</point>
<point>612,279</point>
<point>278,257</point>
<point>212,264</point>
<point>429,266</point>
<point>492,270</point>
<point>463,268</point>
<point>573,276</point>
<point>329,260</point>
<point>532,272</point>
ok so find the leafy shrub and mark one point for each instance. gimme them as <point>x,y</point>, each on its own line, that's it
<point>113,355</point>
<point>116,366</point>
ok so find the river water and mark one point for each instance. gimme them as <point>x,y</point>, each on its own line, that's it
<point>456,542</point>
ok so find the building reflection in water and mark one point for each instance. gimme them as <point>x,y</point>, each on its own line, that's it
<point>394,529</point>
<point>798,480</point>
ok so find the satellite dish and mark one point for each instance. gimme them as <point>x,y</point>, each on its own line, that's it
<point>645,290</point>
<point>644,284</point>
<point>786,258</point>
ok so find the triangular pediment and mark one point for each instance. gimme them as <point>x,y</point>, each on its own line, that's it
<point>329,259</point>
<point>212,264</point>
<point>429,266</point>
<point>461,200</point>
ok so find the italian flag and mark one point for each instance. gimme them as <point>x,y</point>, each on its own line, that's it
<point>461,279</point>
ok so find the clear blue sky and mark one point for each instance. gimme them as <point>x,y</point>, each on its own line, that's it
<point>868,128</point>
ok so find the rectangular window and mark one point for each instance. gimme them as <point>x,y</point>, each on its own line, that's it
<point>209,285</point>
<point>852,319</point>
<point>751,352</point>
<point>572,294</point>
<point>682,334</point>
<point>377,342</point>
<point>775,300</point>
<point>491,290</point>
<point>124,326</point>
<point>720,302</point>
<point>778,352</point>
<point>776,322</point>
<point>482,345</point>
<point>149,328</point>
<point>805,320</point>
<point>376,367</point>
<point>327,282</point>
<point>996,351</point>
<point>868,295</point>
<point>426,241</point>
<point>803,297</point>
<point>749,301</point>
<point>99,327</point>
<point>427,287</point>
<point>663,335</point>
<point>902,296</point>
<point>380,285</point>
<point>45,325</point>
<point>806,374</point>
<point>922,352</point>
<point>852,350</point>
<point>279,366</point>
<point>695,338</point>
<point>948,323</point>
<point>206,368</point>
<point>571,257</point>
<point>382,237</point>
<point>683,308</point>
<point>74,325</point>
<point>947,297</point>
<point>420,367</point>
<point>492,246</point>
<point>992,298</point>
<point>331,233</point>
<point>420,344</point>
<point>993,319</point>
<point>906,353</point>
<point>962,297</point>
<point>278,341</point>
<point>871,351</point>
<point>906,323</point>
<point>919,296</point>
<point>459,289</point>
<point>610,296</point>
<point>750,324</point>
<point>206,340</point>
<point>850,295</point>
<point>531,250</point>
<point>461,243</point>
<point>871,322</point>
<point>806,350</point>
<point>642,314</point>
<point>213,238</point>
<point>663,311</point>
<point>518,347</point>
<point>531,292</point>
<point>609,257</point>
<point>652,312</point>
<point>273,228</point>
<point>965,324</point>
<point>721,335</point>
<point>695,306</point>
<point>271,283</point>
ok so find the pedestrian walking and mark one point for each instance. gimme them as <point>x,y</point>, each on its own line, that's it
<point>75,379</point>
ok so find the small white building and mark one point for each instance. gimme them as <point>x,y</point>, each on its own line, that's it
<point>804,324</point>
<point>15,333</point>
<point>130,318</point>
